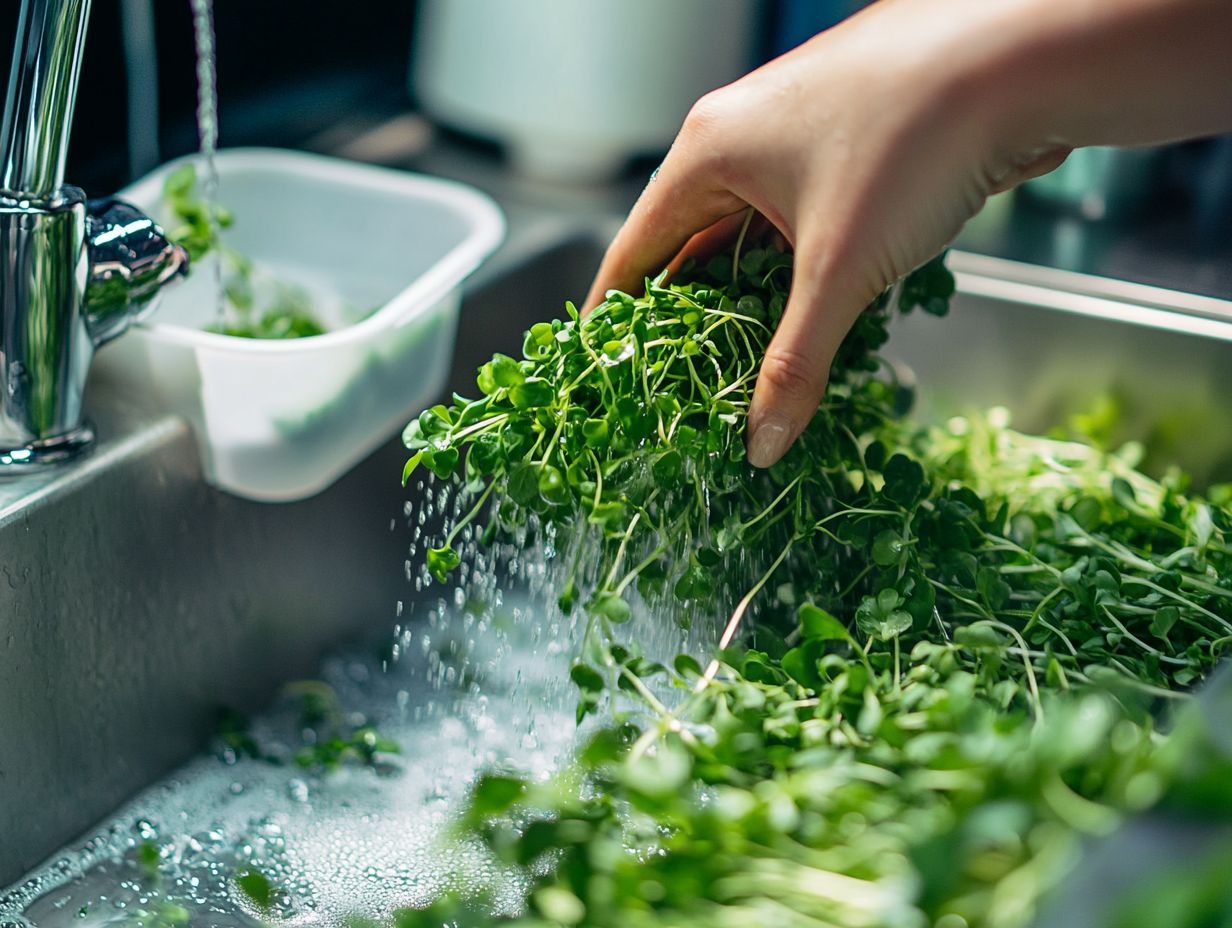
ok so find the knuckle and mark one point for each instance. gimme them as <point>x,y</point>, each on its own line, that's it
<point>792,372</point>
<point>705,116</point>
<point>706,141</point>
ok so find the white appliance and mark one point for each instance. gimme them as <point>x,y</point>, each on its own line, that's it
<point>574,88</point>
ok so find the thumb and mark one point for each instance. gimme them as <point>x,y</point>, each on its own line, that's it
<point>796,367</point>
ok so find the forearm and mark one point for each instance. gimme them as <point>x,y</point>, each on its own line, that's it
<point>1071,73</point>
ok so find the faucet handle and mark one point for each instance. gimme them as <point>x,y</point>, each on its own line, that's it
<point>130,260</point>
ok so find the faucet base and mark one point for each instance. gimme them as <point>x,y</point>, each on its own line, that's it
<point>40,454</point>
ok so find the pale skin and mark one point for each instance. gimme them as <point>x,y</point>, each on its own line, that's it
<point>869,146</point>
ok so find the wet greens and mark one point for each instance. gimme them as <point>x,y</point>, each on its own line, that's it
<point>969,644</point>
<point>327,736</point>
<point>285,311</point>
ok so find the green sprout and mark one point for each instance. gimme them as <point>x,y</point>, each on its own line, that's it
<point>330,737</point>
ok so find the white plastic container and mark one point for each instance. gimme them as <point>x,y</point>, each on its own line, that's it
<point>281,420</point>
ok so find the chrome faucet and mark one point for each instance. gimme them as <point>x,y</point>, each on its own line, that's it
<point>73,274</point>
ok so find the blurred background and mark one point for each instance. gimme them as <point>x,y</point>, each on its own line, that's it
<point>569,102</point>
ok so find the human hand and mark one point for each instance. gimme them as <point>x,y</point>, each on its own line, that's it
<point>867,148</point>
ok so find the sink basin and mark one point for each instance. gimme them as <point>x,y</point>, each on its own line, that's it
<point>136,598</point>
<point>1049,344</point>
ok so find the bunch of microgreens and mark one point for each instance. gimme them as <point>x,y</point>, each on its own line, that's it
<point>288,313</point>
<point>964,636</point>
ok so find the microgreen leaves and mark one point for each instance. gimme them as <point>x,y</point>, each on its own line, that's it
<point>330,737</point>
<point>627,422</point>
<point>881,616</point>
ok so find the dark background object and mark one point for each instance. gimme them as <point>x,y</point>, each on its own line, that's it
<point>285,72</point>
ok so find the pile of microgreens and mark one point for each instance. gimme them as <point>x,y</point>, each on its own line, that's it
<point>966,645</point>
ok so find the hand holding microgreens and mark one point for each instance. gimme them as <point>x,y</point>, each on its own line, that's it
<point>967,645</point>
<point>633,419</point>
<point>629,423</point>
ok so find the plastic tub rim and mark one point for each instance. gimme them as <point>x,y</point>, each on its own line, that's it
<point>415,300</point>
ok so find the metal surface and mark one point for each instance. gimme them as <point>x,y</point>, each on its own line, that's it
<point>68,281</point>
<point>135,600</point>
<point>1169,245</point>
<point>1051,345</point>
<point>42,288</point>
<point>130,262</point>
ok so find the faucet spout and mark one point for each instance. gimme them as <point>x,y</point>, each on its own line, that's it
<point>51,37</point>
<point>72,276</point>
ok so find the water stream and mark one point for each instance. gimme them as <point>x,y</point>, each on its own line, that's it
<point>207,129</point>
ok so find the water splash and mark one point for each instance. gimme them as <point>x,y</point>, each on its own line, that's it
<point>474,677</point>
<point>467,691</point>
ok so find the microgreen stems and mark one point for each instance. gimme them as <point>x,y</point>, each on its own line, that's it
<point>773,503</point>
<point>1177,597</point>
<point>1120,626</point>
<point>470,515</point>
<point>1030,671</point>
<point>744,229</point>
<point>733,623</point>
<point>620,553</point>
<point>1039,608</point>
<point>481,426</point>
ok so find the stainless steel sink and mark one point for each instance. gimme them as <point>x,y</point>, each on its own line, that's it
<point>134,599</point>
<point>1048,344</point>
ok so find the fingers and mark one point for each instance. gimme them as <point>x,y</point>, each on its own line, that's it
<point>716,238</point>
<point>680,201</point>
<point>796,367</point>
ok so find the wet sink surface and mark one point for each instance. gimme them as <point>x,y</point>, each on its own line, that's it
<point>467,692</point>
<point>134,599</point>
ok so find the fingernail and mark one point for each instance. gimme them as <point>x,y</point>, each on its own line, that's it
<point>771,435</point>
